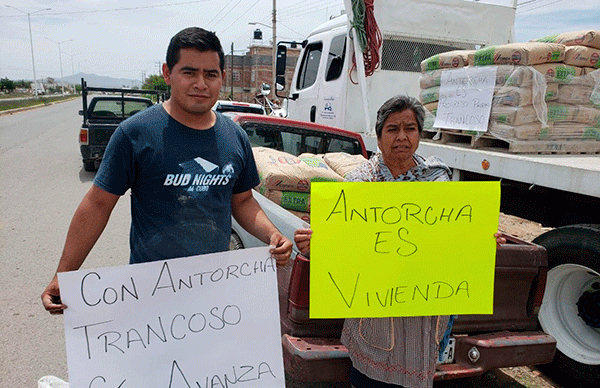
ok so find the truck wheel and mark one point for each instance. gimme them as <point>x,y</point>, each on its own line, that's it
<point>570,310</point>
<point>235,242</point>
<point>89,165</point>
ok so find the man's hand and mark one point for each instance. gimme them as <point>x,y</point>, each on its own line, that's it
<point>51,298</point>
<point>282,248</point>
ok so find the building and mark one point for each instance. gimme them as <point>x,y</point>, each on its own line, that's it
<point>246,73</point>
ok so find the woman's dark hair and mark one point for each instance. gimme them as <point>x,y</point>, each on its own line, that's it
<point>197,38</point>
<point>399,104</point>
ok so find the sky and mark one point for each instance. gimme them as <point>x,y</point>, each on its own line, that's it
<point>128,39</point>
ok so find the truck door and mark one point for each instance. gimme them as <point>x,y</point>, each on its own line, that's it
<point>332,93</point>
<point>318,90</point>
<point>305,88</point>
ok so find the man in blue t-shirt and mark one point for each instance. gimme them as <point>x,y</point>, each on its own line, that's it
<point>189,170</point>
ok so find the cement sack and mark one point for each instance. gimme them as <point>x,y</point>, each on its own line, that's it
<point>282,171</point>
<point>513,96</point>
<point>309,155</point>
<point>429,95</point>
<point>505,75</point>
<point>574,94</point>
<point>509,75</point>
<point>431,107</point>
<point>551,91</point>
<point>342,163</point>
<point>530,131</point>
<point>525,54</point>
<point>429,79</point>
<point>575,113</point>
<point>447,60</point>
<point>290,200</point>
<point>559,72</point>
<point>589,38</point>
<point>574,131</point>
<point>564,131</point>
<point>589,70</point>
<point>582,56</point>
<point>513,115</point>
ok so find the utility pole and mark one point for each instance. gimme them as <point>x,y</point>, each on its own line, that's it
<point>35,91</point>
<point>62,81</point>
<point>274,53</point>
<point>273,27</point>
<point>232,70</point>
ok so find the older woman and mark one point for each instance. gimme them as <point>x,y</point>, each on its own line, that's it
<point>393,352</point>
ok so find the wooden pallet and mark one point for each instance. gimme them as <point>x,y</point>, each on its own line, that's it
<point>486,141</point>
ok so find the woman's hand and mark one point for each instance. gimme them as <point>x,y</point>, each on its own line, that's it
<point>499,239</point>
<point>302,240</point>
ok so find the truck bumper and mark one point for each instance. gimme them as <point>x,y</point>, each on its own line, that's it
<point>92,152</point>
<point>324,359</point>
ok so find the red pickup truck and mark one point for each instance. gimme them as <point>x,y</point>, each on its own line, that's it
<point>312,349</point>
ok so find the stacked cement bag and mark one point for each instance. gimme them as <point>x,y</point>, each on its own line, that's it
<point>575,114</point>
<point>545,90</point>
<point>285,179</point>
<point>342,163</point>
<point>448,60</point>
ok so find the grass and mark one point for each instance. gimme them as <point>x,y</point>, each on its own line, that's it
<point>8,104</point>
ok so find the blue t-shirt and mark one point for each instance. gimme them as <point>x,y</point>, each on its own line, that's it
<point>181,182</point>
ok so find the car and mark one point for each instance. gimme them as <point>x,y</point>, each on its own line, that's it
<point>237,106</point>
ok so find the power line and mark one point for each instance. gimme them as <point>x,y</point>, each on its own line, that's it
<point>241,16</point>
<point>222,9</point>
<point>115,9</point>
<point>539,6</point>
<point>528,2</point>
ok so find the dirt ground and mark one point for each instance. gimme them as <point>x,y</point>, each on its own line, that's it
<point>521,228</point>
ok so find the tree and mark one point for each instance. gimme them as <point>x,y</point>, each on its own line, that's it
<point>22,84</point>
<point>155,82</point>
<point>6,84</point>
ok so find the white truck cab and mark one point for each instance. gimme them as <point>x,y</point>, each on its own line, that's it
<point>326,88</point>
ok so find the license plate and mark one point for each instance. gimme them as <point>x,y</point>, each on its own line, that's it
<point>448,355</point>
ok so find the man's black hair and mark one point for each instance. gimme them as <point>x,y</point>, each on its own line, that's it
<point>196,38</point>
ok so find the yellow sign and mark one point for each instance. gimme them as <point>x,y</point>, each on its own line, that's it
<point>391,249</point>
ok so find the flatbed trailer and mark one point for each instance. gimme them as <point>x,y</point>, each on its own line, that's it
<point>578,174</point>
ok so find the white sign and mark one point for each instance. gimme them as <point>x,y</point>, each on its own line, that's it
<point>466,98</point>
<point>204,321</point>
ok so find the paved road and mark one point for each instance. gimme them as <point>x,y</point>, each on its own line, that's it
<point>42,181</point>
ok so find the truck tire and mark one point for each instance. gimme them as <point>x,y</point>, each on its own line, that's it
<point>235,242</point>
<point>570,310</point>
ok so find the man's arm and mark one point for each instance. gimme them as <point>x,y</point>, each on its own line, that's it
<point>86,226</point>
<point>248,213</point>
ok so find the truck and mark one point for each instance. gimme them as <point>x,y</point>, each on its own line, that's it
<point>559,190</point>
<point>103,113</point>
<point>311,347</point>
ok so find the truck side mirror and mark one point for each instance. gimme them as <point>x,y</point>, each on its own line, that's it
<point>280,82</point>
<point>80,113</point>
<point>281,60</point>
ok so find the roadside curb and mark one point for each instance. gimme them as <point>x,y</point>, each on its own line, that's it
<point>17,110</point>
